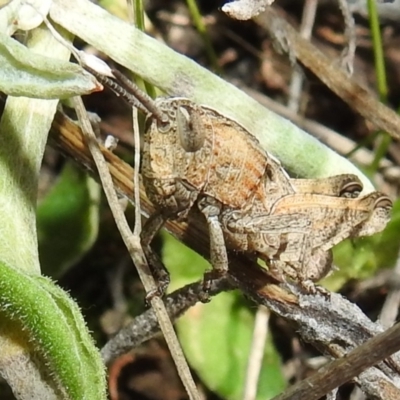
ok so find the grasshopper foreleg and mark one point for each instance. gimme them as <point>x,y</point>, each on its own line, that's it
<point>160,273</point>
<point>218,255</point>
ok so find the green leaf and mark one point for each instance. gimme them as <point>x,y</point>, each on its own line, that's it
<point>38,321</point>
<point>56,331</point>
<point>216,337</point>
<point>67,220</point>
<point>183,264</point>
<point>24,127</point>
<point>26,73</point>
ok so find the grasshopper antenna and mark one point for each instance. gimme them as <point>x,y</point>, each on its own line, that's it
<point>145,100</point>
<point>130,92</point>
<point>118,89</point>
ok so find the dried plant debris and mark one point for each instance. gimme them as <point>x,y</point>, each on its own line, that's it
<point>245,9</point>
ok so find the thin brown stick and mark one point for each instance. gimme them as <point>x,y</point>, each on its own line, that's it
<point>297,78</point>
<point>138,216</point>
<point>347,56</point>
<point>258,343</point>
<point>338,372</point>
<point>146,326</point>
<point>356,96</point>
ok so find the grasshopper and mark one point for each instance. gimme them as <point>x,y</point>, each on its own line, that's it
<point>195,157</point>
<point>205,159</point>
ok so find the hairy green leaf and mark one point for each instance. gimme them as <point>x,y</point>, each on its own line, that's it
<point>56,330</point>
<point>26,73</point>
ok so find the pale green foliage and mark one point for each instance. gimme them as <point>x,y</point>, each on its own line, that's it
<point>55,330</point>
<point>25,73</point>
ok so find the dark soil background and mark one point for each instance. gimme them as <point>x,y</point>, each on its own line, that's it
<point>245,56</point>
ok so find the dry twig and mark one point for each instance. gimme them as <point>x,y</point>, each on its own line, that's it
<point>296,82</point>
<point>261,325</point>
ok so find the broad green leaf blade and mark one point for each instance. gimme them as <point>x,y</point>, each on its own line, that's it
<point>56,331</point>
<point>216,337</point>
<point>26,73</point>
<point>67,221</point>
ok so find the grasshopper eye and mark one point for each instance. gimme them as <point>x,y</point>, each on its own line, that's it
<point>163,124</point>
<point>351,190</point>
<point>164,127</point>
<point>191,129</point>
<point>383,202</point>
